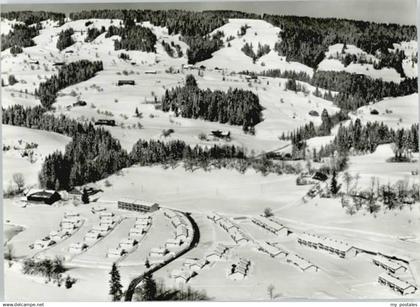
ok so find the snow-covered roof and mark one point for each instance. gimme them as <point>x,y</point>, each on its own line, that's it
<point>115,251</point>
<point>272,250</point>
<point>299,261</point>
<point>127,241</point>
<point>101,227</point>
<point>402,284</point>
<point>77,245</point>
<point>184,274</point>
<point>158,250</point>
<point>391,264</point>
<point>140,202</point>
<point>268,223</point>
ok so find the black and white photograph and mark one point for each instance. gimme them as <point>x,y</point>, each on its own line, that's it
<point>210,151</point>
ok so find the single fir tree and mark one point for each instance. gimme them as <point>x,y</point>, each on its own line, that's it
<point>85,196</point>
<point>115,284</point>
<point>334,185</point>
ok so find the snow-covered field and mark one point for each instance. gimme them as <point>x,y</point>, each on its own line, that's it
<point>395,112</point>
<point>14,162</point>
<point>225,191</point>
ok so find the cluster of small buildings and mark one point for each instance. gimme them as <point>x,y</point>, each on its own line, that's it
<point>125,246</point>
<point>240,269</point>
<point>107,222</point>
<point>389,279</point>
<point>339,248</point>
<point>275,228</point>
<point>68,225</point>
<point>141,226</point>
<point>301,263</point>
<point>191,267</point>
<point>233,230</point>
<point>183,232</point>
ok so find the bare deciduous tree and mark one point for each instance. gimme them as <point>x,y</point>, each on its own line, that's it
<point>19,180</point>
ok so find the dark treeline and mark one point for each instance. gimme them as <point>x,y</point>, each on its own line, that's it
<point>133,37</point>
<point>360,138</point>
<point>236,106</point>
<point>201,48</point>
<point>305,39</point>
<point>69,74</point>
<point>354,90</point>
<point>186,23</point>
<point>357,90</point>
<point>65,39</point>
<point>248,49</point>
<point>32,17</point>
<point>20,36</point>
<point>309,130</point>
<point>93,33</point>
<point>94,154</point>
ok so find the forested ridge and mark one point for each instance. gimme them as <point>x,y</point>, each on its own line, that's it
<point>354,90</point>
<point>305,39</point>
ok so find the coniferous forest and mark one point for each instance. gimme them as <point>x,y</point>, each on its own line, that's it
<point>235,107</point>
<point>68,74</point>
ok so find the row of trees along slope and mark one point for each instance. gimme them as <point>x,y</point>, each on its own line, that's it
<point>236,106</point>
<point>194,27</point>
<point>93,153</point>
<point>354,90</point>
<point>68,74</point>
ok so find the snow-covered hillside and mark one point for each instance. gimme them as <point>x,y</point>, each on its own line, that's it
<point>258,32</point>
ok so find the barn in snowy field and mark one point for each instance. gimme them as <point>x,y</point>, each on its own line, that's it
<point>45,196</point>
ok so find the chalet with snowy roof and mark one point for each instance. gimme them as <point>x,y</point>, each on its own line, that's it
<point>106,214</point>
<point>115,252</point>
<point>198,265</point>
<point>271,250</point>
<point>127,244</point>
<point>136,232</point>
<point>70,214</point>
<point>226,224</point>
<point>92,237</point>
<point>105,122</point>
<point>137,205</point>
<point>182,276</point>
<point>45,197</point>
<point>217,253</point>
<point>396,284</point>
<point>169,214</point>
<point>40,244</point>
<point>301,263</point>
<point>214,217</point>
<point>271,226</point>
<point>101,229</point>
<point>158,252</point>
<point>181,232</point>
<point>173,243</point>
<point>58,235</point>
<point>98,209</point>
<point>68,227</point>
<point>389,265</point>
<point>77,248</point>
<point>220,134</point>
